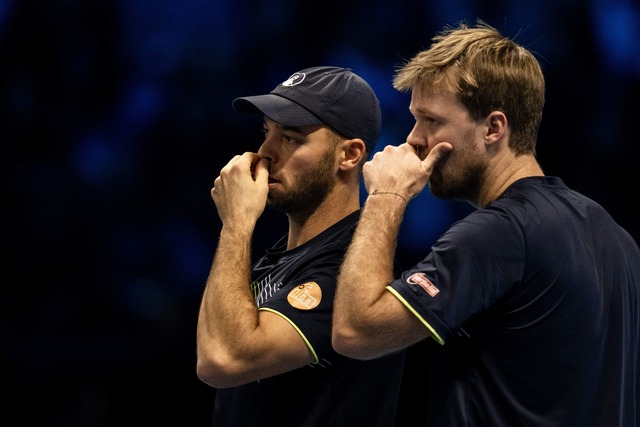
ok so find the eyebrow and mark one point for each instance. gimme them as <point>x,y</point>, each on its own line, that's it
<point>417,110</point>
<point>297,129</point>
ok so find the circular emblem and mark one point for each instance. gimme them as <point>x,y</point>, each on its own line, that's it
<point>305,296</point>
<point>295,79</point>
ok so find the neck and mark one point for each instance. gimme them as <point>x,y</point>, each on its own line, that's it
<point>338,204</point>
<point>504,172</point>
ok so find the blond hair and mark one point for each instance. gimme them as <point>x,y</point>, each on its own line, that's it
<point>486,71</point>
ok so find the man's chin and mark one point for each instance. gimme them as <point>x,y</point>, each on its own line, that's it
<point>274,202</point>
<point>436,187</point>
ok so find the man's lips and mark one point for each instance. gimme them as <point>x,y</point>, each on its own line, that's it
<point>273,183</point>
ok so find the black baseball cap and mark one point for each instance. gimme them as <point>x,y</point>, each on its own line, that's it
<point>334,96</point>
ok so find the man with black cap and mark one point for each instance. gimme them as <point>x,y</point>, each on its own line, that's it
<point>264,330</point>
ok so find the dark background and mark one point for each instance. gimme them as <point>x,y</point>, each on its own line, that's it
<point>116,119</point>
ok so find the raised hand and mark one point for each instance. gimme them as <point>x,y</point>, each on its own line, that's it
<point>240,192</point>
<point>398,169</point>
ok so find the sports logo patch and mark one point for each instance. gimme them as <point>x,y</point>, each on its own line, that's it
<point>422,281</point>
<point>305,296</point>
<point>295,79</point>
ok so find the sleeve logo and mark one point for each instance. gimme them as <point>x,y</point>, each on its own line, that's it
<point>422,281</point>
<point>305,296</point>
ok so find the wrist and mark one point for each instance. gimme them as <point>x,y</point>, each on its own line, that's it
<point>390,193</point>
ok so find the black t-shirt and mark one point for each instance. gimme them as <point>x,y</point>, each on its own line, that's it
<point>534,307</point>
<point>299,285</point>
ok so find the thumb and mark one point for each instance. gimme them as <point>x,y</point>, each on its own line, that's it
<point>436,154</point>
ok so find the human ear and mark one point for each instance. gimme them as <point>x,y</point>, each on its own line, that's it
<point>353,152</point>
<point>496,127</point>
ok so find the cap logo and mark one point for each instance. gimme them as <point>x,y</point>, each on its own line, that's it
<point>305,296</point>
<point>422,281</point>
<point>295,79</point>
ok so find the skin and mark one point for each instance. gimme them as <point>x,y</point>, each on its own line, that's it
<point>460,158</point>
<point>294,172</point>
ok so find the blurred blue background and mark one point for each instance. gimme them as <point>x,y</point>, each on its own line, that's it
<point>116,119</point>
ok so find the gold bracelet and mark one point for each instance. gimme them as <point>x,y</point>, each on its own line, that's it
<point>406,202</point>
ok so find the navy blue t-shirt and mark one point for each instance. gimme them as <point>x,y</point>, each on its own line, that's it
<point>333,391</point>
<point>533,303</point>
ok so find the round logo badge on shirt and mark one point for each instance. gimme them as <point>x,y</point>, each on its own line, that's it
<point>305,296</point>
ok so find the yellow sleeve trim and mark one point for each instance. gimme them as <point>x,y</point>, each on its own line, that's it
<point>433,332</point>
<point>315,356</point>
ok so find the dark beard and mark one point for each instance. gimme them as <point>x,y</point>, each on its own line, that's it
<point>464,186</point>
<point>464,177</point>
<point>311,190</point>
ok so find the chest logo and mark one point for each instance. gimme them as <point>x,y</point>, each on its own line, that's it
<point>305,296</point>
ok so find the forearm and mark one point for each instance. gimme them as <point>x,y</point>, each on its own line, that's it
<point>364,310</point>
<point>228,312</point>
<point>374,246</point>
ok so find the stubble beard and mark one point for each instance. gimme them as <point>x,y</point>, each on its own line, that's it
<point>310,191</point>
<point>461,176</point>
